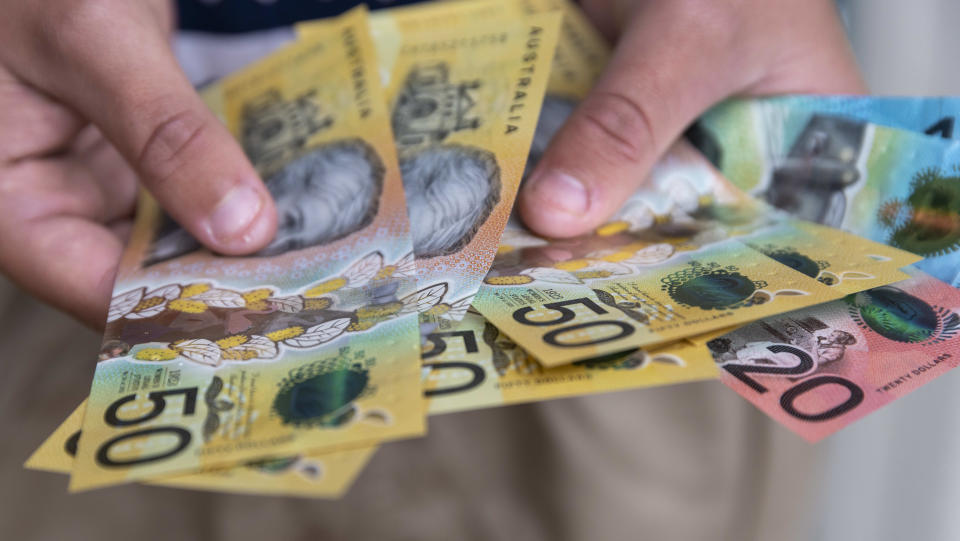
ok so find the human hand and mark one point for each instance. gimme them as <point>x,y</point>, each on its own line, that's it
<point>91,99</point>
<point>673,60</point>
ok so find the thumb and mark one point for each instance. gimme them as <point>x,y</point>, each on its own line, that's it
<point>125,79</point>
<point>657,82</point>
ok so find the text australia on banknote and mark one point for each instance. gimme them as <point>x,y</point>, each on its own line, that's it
<point>210,361</point>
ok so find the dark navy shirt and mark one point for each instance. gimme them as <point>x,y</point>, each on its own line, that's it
<point>247,15</point>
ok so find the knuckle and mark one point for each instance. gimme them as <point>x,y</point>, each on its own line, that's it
<point>620,121</point>
<point>83,31</point>
<point>174,141</point>
<point>73,22</point>
<point>712,21</point>
<point>71,37</point>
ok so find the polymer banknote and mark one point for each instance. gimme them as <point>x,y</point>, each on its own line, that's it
<point>631,282</point>
<point>311,344</point>
<point>818,369</point>
<point>476,366</point>
<point>465,87</point>
<point>890,185</point>
<point>317,476</point>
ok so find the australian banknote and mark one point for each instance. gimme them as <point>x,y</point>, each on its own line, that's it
<point>891,185</point>
<point>210,361</point>
<point>317,476</point>
<point>820,368</point>
<point>475,366</point>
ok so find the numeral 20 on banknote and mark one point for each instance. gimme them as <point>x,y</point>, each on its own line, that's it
<point>794,394</point>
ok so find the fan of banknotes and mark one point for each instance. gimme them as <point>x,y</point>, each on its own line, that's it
<point>802,250</point>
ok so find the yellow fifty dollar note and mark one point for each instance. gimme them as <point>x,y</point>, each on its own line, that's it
<point>464,103</point>
<point>312,344</point>
<point>318,476</point>
<point>476,366</point>
<point>571,313</point>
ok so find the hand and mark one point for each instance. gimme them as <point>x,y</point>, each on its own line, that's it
<point>673,60</point>
<point>91,99</point>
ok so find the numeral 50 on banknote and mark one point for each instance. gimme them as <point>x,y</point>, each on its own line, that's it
<point>577,334</point>
<point>158,399</point>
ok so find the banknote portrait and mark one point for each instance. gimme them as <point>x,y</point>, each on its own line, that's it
<point>451,188</point>
<point>323,195</point>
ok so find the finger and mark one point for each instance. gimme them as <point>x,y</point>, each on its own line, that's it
<point>126,80</point>
<point>105,169</point>
<point>639,105</point>
<point>68,185</point>
<point>33,124</point>
<point>670,65</point>
<point>52,242</point>
<point>65,261</point>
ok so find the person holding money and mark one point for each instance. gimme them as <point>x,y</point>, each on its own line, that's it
<point>92,99</point>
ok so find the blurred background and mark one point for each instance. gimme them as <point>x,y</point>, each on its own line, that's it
<point>894,475</point>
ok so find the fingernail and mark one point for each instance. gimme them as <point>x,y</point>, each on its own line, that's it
<point>561,191</point>
<point>234,214</point>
